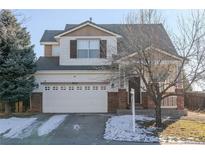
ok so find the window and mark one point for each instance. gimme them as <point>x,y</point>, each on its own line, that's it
<point>88,48</point>
<point>87,87</point>
<point>63,88</point>
<point>95,87</point>
<point>103,87</point>
<point>70,88</point>
<point>47,88</point>
<point>55,87</point>
<point>79,88</point>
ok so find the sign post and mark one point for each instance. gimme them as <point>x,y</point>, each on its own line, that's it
<point>132,92</point>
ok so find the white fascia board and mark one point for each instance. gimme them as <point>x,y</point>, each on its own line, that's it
<point>159,50</point>
<point>73,72</point>
<point>90,24</point>
<point>164,52</point>
<point>49,43</point>
<point>124,58</point>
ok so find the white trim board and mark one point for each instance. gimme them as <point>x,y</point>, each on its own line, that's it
<point>74,72</point>
<point>156,49</point>
<point>49,43</point>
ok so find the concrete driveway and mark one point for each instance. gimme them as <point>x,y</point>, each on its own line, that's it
<point>81,129</point>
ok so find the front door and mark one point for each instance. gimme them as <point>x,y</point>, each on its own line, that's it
<point>134,83</point>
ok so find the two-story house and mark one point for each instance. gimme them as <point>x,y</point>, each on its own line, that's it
<point>74,75</point>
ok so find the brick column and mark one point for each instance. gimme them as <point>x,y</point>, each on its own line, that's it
<point>123,99</point>
<point>144,100</point>
<point>112,102</point>
<point>147,102</point>
<point>180,99</point>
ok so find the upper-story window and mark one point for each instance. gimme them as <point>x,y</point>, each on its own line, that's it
<point>88,48</point>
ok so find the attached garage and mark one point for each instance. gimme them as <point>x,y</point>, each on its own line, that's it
<point>80,98</point>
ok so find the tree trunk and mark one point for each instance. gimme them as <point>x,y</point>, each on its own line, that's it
<point>158,114</point>
<point>7,107</point>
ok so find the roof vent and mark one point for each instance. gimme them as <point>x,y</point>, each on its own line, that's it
<point>91,19</point>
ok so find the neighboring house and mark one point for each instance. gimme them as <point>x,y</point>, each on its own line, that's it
<point>75,75</point>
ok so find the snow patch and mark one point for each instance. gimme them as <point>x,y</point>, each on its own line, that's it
<point>143,118</point>
<point>51,124</point>
<point>120,128</point>
<point>76,127</point>
<point>14,127</point>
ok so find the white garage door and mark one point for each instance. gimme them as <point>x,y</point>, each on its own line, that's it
<point>75,99</point>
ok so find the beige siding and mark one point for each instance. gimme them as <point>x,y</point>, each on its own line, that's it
<point>47,50</point>
<point>88,31</point>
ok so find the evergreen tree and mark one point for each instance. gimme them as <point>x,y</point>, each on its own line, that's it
<point>17,60</point>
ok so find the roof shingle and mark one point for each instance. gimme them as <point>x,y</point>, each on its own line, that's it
<point>162,41</point>
<point>52,63</point>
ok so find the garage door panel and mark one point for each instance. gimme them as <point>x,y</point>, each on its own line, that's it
<point>74,101</point>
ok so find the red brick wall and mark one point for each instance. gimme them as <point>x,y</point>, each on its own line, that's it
<point>112,101</point>
<point>117,100</point>
<point>36,102</point>
<point>180,99</point>
<point>123,98</point>
<point>147,102</point>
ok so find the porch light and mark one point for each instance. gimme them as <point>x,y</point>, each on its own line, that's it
<point>112,85</point>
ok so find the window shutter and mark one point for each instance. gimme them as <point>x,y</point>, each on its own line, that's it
<point>73,48</point>
<point>103,48</point>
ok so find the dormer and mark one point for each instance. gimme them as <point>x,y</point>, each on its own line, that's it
<point>83,44</point>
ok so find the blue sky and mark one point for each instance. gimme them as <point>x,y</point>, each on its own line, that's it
<point>39,20</point>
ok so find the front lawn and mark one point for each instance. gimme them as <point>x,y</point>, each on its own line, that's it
<point>184,130</point>
<point>173,131</point>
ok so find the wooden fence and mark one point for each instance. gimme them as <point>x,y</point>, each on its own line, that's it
<point>17,107</point>
<point>169,102</point>
<point>195,101</point>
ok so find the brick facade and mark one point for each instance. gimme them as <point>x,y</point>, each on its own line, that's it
<point>112,101</point>
<point>36,102</point>
<point>180,99</point>
<point>148,103</point>
<point>123,98</point>
<point>117,100</point>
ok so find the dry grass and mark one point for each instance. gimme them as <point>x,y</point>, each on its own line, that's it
<point>185,130</point>
<point>182,129</point>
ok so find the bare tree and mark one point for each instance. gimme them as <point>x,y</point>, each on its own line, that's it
<point>146,51</point>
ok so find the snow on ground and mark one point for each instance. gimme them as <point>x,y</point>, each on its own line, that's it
<point>51,124</point>
<point>14,127</point>
<point>120,128</point>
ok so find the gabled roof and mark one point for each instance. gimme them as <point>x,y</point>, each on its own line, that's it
<point>71,29</point>
<point>52,63</point>
<point>162,42</point>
